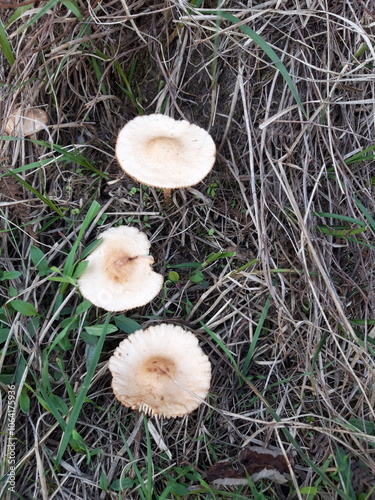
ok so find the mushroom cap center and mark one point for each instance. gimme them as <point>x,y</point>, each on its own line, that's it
<point>119,265</point>
<point>158,368</point>
<point>164,149</point>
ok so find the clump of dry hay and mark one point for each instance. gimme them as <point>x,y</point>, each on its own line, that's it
<point>313,363</point>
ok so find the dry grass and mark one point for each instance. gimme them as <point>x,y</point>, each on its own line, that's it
<point>309,377</point>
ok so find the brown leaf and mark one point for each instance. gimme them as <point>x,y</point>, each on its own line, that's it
<point>258,463</point>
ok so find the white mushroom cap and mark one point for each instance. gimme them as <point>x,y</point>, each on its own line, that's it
<point>119,275</point>
<point>162,152</point>
<point>161,371</point>
<point>22,123</point>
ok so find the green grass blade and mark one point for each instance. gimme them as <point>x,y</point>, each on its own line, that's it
<point>196,3</point>
<point>256,337</point>
<point>30,188</point>
<point>364,157</point>
<point>366,154</point>
<point>149,460</point>
<point>318,349</point>
<point>345,473</point>
<point>73,7</point>
<point>128,89</point>
<point>185,265</point>
<point>216,256</point>
<point>49,5</point>
<point>82,393</point>
<point>17,14</point>
<point>340,217</point>
<point>267,49</point>
<point>244,267</point>
<point>69,4</point>
<point>46,401</point>
<point>359,242</point>
<point>366,213</point>
<point>5,45</point>
<point>340,231</point>
<point>68,385</point>
<point>91,214</point>
<point>30,166</point>
<point>74,156</point>
<point>220,344</point>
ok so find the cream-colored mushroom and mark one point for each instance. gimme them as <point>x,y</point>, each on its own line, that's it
<point>119,274</point>
<point>158,151</point>
<point>161,371</point>
<point>26,122</point>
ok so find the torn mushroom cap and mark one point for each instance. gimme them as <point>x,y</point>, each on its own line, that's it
<point>162,152</point>
<point>161,371</point>
<point>119,274</point>
<point>22,123</point>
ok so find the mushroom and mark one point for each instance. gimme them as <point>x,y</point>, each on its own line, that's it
<point>23,123</point>
<point>159,151</point>
<point>160,371</point>
<point>119,274</point>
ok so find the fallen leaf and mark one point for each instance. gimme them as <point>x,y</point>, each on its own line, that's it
<point>254,461</point>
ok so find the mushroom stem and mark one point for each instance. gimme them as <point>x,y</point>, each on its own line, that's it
<point>167,195</point>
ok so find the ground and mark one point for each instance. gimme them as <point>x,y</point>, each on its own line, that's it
<point>269,261</point>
